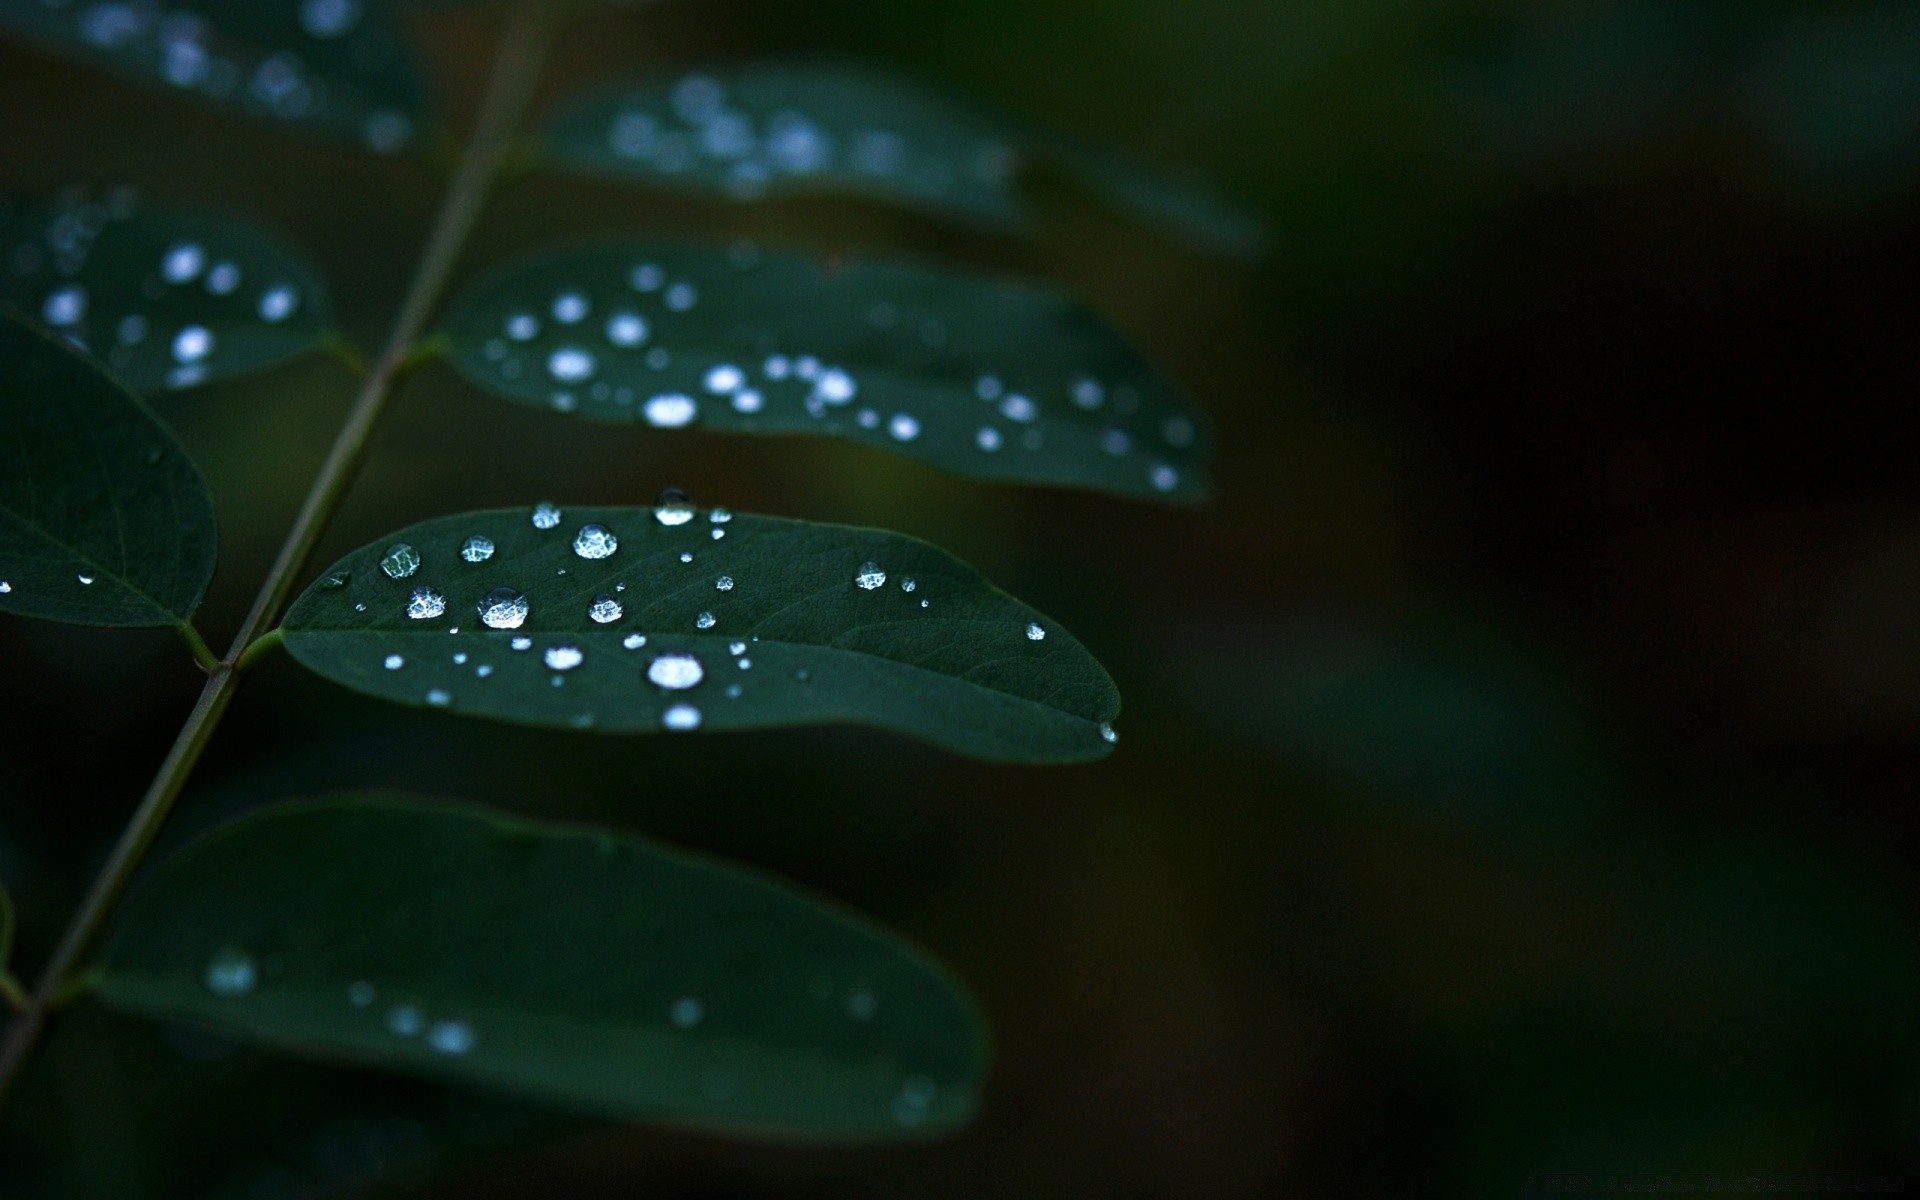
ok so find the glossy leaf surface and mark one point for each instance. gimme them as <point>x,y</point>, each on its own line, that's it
<point>589,970</point>
<point>167,299</point>
<point>103,518</point>
<point>700,621</point>
<point>330,65</point>
<point>979,377</point>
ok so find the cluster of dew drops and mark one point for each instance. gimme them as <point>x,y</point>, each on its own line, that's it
<point>589,341</point>
<point>189,54</point>
<point>69,308</point>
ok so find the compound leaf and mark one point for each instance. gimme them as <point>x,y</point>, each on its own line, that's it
<point>335,66</point>
<point>981,378</point>
<point>588,970</point>
<point>167,299</point>
<point>103,518</point>
<point>628,620</point>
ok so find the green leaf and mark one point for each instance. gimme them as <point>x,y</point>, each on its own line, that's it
<point>778,128</point>
<point>768,609</point>
<point>981,378</point>
<point>335,66</point>
<point>6,928</point>
<point>103,518</point>
<point>167,299</point>
<point>588,970</point>
<point>781,128</point>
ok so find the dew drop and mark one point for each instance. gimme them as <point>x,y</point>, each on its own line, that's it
<point>224,279</point>
<point>192,344</point>
<point>903,427</point>
<point>231,973</point>
<point>1107,733</point>
<point>605,610</point>
<point>723,379</point>
<point>1035,633</point>
<point>570,308</point>
<point>400,561</point>
<point>1017,408</point>
<point>626,329</point>
<point>869,577</point>
<point>545,515</point>
<point>504,608</point>
<point>477,549</point>
<point>595,541</point>
<point>450,1037</point>
<point>425,603</point>
<point>719,516</point>
<point>987,439</point>
<point>669,410</point>
<point>681,717</point>
<point>909,583</point>
<point>686,556</point>
<point>65,306</point>
<point>723,584</point>
<point>405,1020</point>
<point>571,364</point>
<point>563,657</point>
<point>675,671</point>
<point>634,641</point>
<point>395,662</point>
<point>523,327</point>
<point>1163,477</point>
<point>86,578</point>
<point>522,643</point>
<point>439,698</point>
<point>278,303</point>
<point>183,262</point>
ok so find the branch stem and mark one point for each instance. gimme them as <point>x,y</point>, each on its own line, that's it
<point>516,71</point>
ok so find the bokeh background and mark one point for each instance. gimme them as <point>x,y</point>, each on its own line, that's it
<point>1518,759</point>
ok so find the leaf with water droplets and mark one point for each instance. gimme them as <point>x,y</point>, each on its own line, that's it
<point>980,377</point>
<point>335,66</point>
<point>103,518</point>
<point>584,969</point>
<point>167,299</point>
<point>806,629</point>
<point>773,128</point>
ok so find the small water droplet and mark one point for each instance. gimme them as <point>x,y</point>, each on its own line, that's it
<point>405,1020</point>
<point>903,427</point>
<point>86,578</point>
<point>723,584</point>
<point>231,973</point>
<point>704,621</point>
<point>724,379</point>
<point>1163,477</point>
<point>686,1012</point>
<point>546,515</point>
<point>987,439</point>
<point>450,1037</point>
<point>504,608</point>
<point>1017,408</point>
<point>719,516</point>
<point>626,329</point>
<point>522,643</point>
<point>605,610</point>
<point>477,549</point>
<point>439,698</point>
<point>523,327</point>
<point>595,541</point>
<point>570,308</point>
<point>336,581</point>
<point>400,561</point>
<point>869,577</point>
<point>5,587</point>
<point>1035,633</point>
<point>686,556</point>
<point>563,657</point>
<point>395,662</point>
<point>669,410</point>
<point>571,364</point>
<point>192,344</point>
<point>278,303</point>
<point>1107,733</point>
<point>909,583</point>
<point>634,641</point>
<point>183,262</point>
<point>675,671</point>
<point>681,717</point>
<point>424,603</point>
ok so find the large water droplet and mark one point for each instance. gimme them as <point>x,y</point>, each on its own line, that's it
<point>477,549</point>
<point>605,610</point>
<point>504,608</point>
<point>675,671</point>
<point>681,717</point>
<point>563,657</point>
<point>869,577</point>
<point>425,603</point>
<point>231,973</point>
<point>545,515</point>
<point>400,561</point>
<point>595,541</point>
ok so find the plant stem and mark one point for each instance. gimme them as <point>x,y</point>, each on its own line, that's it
<point>197,646</point>
<point>516,71</point>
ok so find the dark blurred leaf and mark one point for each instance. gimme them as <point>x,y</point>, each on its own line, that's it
<point>988,379</point>
<point>103,518</point>
<point>6,926</point>
<point>773,128</point>
<point>167,299</point>
<point>750,622</point>
<point>330,65</point>
<point>592,971</point>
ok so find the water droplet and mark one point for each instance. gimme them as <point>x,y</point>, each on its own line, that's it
<point>86,578</point>
<point>634,641</point>
<point>681,297</point>
<point>1115,442</point>
<point>563,657</point>
<point>686,556</point>
<point>183,262</point>
<point>724,379</point>
<point>5,587</point>
<point>545,515</point>
<point>686,1012</point>
<point>477,549</point>
<point>903,427</point>
<point>278,303</point>
<point>835,386</point>
<point>395,662</point>
<point>719,516</point>
<point>523,327</point>
<point>675,671</point>
<point>425,603</point>
<point>450,1037</point>
<point>328,18</point>
<point>987,439</point>
<point>988,387</point>
<point>483,670</point>
<point>360,993</point>
<point>505,608</point>
<point>669,410</point>
<point>705,620</point>
<point>1107,733</point>
<point>1035,633</point>
<point>65,306</point>
<point>626,329</point>
<point>460,659</point>
<point>723,584</point>
<point>570,308</point>
<point>1017,408</point>
<point>231,973</point>
<point>405,1020</point>
<point>745,664</point>
<point>909,583</point>
<point>595,541</point>
<point>605,610</point>
<point>571,364</point>
<point>192,344</point>
<point>439,698</point>
<point>681,717</point>
<point>869,577</point>
<point>522,643</point>
<point>747,400</point>
<point>1163,477</point>
<point>224,279</point>
<point>400,561</point>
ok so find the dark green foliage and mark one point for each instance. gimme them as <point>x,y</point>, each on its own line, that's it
<point>594,971</point>
<point>167,299</point>
<point>933,651</point>
<point>103,518</point>
<point>995,380</point>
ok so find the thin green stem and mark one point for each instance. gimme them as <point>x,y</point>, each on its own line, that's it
<point>261,645</point>
<point>197,645</point>
<point>516,71</point>
<point>12,993</point>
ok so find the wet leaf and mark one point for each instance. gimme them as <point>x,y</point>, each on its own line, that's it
<point>167,299</point>
<point>103,518</point>
<point>979,377</point>
<point>334,66</point>
<point>706,621</point>
<point>585,969</point>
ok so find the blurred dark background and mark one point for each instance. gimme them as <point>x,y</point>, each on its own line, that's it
<point>1519,752</point>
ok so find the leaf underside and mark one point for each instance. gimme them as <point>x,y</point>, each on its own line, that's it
<point>588,970</point>
<point>167,299</point>
<point>333,67</point>
<point>978,377</point>
<point>768,610</point>
<point>103,518</point>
